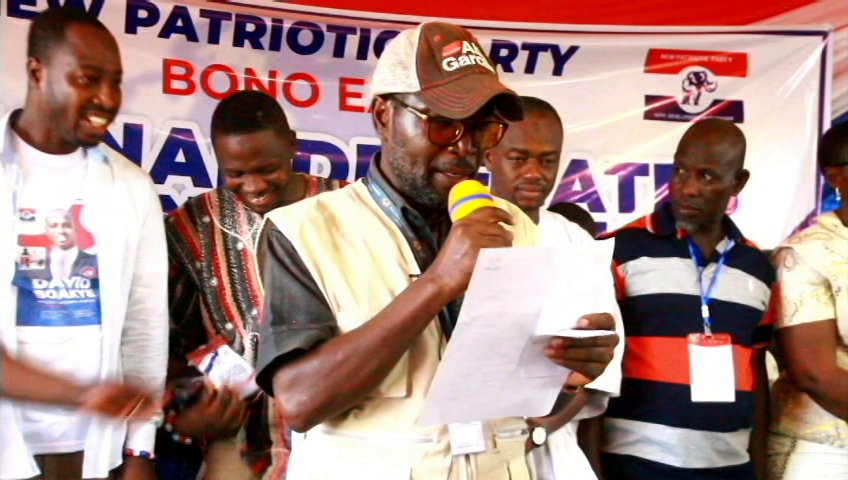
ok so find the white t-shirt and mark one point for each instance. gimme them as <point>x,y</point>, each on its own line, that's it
<point>556,230</point>
<point>58,296</point>
<point>561,458</point>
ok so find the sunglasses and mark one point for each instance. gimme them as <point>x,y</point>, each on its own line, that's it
<point>444,132</point>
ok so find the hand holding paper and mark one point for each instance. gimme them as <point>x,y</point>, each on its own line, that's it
<point>585,354</point>
<point>518,334</point>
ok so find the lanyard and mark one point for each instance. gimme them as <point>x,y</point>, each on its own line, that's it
<point>446,319</point>
<point>705,295</point>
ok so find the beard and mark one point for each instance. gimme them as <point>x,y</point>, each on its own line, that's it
<point>415,186</point>
<point>687,226</point>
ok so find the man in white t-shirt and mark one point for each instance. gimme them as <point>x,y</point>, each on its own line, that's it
<point>86,300</point>
<point>523,170</point>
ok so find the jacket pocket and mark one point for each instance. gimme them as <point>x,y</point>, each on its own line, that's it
<point>331,454</point>
<point>510,448</point>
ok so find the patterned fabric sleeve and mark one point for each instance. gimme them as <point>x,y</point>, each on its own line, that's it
<point>187,331</point>
<point>805,294</point>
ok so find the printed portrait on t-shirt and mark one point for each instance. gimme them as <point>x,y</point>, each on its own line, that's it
<point>56,269</point>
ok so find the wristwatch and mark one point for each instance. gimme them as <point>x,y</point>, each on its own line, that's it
<point>538,435</point>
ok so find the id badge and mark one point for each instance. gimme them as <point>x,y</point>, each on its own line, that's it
<point>712,375</point>
<point>467,438</point>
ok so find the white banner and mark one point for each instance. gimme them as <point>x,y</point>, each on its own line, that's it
<point>625,96</point>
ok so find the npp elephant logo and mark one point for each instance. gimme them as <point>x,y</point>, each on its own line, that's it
<point>696,74</point>
<point>695,84</point>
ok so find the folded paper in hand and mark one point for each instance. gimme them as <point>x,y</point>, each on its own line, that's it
<point>518,298</point>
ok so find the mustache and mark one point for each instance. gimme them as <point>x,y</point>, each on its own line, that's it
<point>459,164</point>
<point>537,183</point>
<point>690,205</point>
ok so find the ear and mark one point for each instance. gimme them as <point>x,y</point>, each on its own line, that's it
<point>381,114</point>
<point>834,177</point>
<point>487,159</point>
<point>35,71</point>
<point>742,177</point>
<point>293,140</point>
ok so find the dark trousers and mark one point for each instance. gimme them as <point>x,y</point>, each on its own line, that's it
<point>64,466</point>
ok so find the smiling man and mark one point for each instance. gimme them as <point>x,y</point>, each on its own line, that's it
<point>695,296</point>
<point>214,290</point>
<point>64,258</point>
<point>103,317</point>
<point>364,284</point>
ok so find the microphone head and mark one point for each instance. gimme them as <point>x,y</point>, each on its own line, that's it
<point>466,197</point>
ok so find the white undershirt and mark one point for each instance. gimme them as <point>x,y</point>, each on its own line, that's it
<point>53,182</point>
<point>562,458</point>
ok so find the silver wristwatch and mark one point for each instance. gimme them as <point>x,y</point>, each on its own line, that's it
<point>538,435</point>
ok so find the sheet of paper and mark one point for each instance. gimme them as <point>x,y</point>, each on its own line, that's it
<point>494,365</point>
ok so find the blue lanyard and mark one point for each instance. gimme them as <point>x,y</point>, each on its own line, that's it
<point>422,258</point>
<point>705,295</point>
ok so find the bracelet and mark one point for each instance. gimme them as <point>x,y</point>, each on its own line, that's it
<point>139,453</point>
<point>169,427</point>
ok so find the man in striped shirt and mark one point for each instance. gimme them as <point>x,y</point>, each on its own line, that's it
<point>659,428</point>
<point>215,291</point>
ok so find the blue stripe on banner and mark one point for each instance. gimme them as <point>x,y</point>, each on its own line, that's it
<point>469,198</point>
<point>671,404</point>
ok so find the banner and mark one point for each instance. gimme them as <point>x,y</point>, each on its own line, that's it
<point>625,96</point>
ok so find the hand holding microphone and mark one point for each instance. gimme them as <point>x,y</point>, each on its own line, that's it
<point>477,224</point>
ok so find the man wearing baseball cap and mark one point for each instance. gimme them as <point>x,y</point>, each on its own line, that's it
<point>363,284</point>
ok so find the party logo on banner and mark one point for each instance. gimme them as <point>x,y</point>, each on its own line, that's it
<point>700,87</point>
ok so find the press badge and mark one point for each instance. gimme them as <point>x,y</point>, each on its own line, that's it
<point>712,375</point>
<point>467,438</point>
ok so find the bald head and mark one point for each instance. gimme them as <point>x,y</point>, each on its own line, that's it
<point>719,139</point>
<point>707,172</point>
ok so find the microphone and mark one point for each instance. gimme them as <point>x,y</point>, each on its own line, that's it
<point>466,197</point>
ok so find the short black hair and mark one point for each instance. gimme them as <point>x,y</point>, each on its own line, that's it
<point>248,111</point>
<point>574,213</point>
<point>49,29</point>
<point>833,146</point>
<point>534,105</point>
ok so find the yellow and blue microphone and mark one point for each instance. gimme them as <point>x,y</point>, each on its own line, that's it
<point>466,197</point>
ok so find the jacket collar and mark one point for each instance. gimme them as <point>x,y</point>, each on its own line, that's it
<point>7,157</point>
<point>663,223</point>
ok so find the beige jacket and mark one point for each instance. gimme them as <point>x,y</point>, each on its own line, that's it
<point>361,262</point>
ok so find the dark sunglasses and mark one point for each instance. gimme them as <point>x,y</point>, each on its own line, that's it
<point>443,131</point>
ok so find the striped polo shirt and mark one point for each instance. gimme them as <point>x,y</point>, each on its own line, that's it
<point>654,430</point>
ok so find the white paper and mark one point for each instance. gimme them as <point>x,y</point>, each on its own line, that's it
<point>711,373</point>
<point>494,365</point>
<point>466,438</point>
<point>224,366</point>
